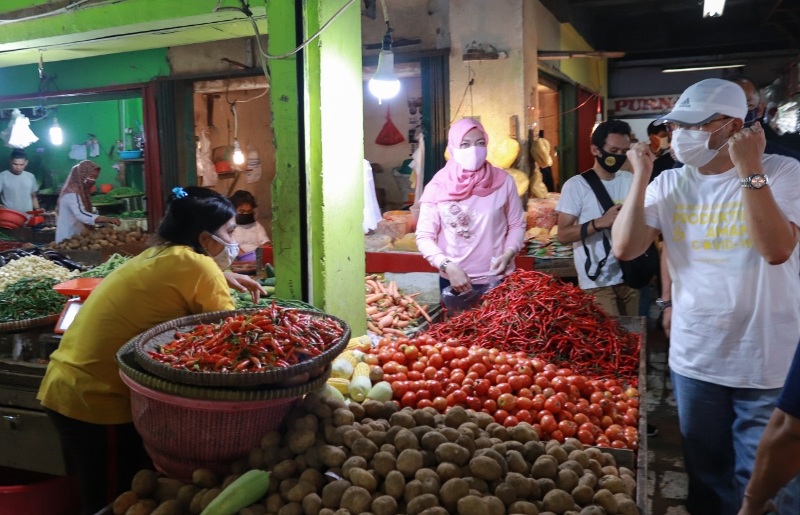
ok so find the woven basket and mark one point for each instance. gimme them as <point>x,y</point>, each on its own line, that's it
<point>182,434</point>
<point>129,367</point>
<point>298,374</point>
<point>24,325</point>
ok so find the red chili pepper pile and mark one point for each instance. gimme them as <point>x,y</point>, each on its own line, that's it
<point>552,320</point>
<point>272,337</point>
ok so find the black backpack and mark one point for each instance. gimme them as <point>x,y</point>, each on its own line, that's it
<point>637,272</point>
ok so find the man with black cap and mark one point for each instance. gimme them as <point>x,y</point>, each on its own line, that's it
<point>730,219</point>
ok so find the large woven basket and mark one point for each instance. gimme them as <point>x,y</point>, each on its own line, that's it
<point>129,367</point>
<point>298,374</point>
<point>23,325</point>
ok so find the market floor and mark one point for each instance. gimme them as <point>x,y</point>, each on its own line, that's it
<point>666,480</point>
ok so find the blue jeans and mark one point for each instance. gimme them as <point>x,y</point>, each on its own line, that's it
<point>721,427</point>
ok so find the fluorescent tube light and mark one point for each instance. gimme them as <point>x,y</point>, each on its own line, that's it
<point>701,68</point>
<point>713,8</point>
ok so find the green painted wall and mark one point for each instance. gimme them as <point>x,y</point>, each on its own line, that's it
<point>51,164</point>
<point>91,72</point>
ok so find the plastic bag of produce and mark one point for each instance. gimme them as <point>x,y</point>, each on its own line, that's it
<point>542,212</point>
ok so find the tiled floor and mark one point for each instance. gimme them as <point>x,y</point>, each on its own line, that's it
<point>667,481</point>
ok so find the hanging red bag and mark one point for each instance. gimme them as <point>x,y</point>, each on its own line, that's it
<point>390,134</point>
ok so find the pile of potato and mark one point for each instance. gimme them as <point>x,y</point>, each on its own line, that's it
<point>373,458</point>
<point>97,239</point>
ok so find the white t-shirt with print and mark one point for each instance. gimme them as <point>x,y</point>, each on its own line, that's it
<point>16,190</point>
<point>735,318</point>
<point>578,199</point>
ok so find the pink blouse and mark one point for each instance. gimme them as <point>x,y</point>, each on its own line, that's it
<point>472,231</point>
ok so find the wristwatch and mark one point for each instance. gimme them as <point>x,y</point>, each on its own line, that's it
<point>663,304</point>
<point>443,266</point>
<point>755,181</point>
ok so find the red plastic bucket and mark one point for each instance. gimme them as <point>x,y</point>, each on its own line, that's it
<point>32,493</point>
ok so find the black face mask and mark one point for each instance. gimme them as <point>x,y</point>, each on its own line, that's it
<point>751,117</point>
<point>245,219</point>
<point>611,162</point>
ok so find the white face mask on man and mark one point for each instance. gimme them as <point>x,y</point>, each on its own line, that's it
<point>691,146</point>
<point>470,158</point>
<point>227,255</point>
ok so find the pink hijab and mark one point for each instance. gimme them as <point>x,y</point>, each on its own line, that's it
<point>452,182</point>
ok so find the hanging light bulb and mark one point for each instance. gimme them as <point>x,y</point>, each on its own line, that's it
<point>238,155</point>
<point>56,134</point>
<point>384,84</point>
<point>598,119</point>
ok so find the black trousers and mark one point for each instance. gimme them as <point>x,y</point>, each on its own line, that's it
<point>103,457</point>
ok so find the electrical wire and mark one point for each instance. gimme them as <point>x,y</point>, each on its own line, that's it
<point>470,82</point>
<point>593,95</point>
<point>60,10</point>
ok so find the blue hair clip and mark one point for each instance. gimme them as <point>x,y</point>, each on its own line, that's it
<point>179,192</point>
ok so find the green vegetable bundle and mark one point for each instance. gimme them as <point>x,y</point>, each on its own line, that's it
<point>104,199</point>
<point>30,298</point>
<point>111,264</point>
<point>126,191</point>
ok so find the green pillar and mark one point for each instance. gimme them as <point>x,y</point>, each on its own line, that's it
<point>318,190</point>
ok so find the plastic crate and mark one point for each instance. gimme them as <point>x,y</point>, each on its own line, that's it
<point>32,493</point>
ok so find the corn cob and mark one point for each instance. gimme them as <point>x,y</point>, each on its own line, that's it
<point>360,385</point>
<point>362,369</point>
<point>343,385</point>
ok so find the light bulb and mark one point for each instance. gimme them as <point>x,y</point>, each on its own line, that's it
<point>238,155</point>
<point>597,121</point>
<point>384,84</point>
<point>713,8</point>
<point>56,134</point>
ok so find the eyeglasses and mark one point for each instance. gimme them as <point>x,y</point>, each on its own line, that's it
<point>676,125</point>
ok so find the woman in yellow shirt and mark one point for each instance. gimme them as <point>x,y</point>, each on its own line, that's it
<point>82,391</point>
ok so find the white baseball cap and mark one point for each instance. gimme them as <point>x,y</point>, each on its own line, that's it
<point>704,100</point>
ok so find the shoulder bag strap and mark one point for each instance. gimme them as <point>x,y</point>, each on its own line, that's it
<point>606,203</point>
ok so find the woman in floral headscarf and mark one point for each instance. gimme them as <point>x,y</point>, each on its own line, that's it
<point>75,204</point>
<point>471,223</point>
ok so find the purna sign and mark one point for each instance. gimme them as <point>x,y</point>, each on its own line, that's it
<point>643,106</point>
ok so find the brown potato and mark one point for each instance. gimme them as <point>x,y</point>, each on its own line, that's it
<point>124,501</point>
<point>144,483</point>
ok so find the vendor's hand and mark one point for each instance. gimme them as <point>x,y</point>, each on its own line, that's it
<point>666,320</point>
<point>747,148</point>
<point>501,262</point>
<point>607,220</point>
<point>641,158</point>
<point>749,509</point>
<point>107,220</point>
<point>245,283</point>
<point>459,279</point>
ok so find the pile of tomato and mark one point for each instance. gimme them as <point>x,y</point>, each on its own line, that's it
<point>511,387</point>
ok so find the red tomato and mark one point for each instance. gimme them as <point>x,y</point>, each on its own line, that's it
<point>525,416</point>
<point>586,437</point>
<point>614,432</point>
<point>435,387</point>
<point>429,373</point>
<point>619,444</point>
<point>411,351</point>
<point>436,361</point>
<point>461,352</point>
<point>553,405</point>
<point>451,387</point>
<point>560,384</point>
<point>557,435</point>
<point>548,423</point>
<point>439,404</point>
<point>479,368</point>
<point>491,375</point>
<point>507,401</point>
<point>482,387</point>
<point>371,359</point>
<point>505,388</point>
<point>510,421</point>
<point>524,403</point>
<point>401,376</point>
<point>494,392</point>
<point>460,397</point>
<point>409,400</point>
<point>423,394</point>
<point>418,366</point>
<point>441,375</point>
<point>500,416</point>
<point>538,402</point>
<point>448,354</point>
<point>414,375</point>
<point>595,410</point>
<point>490,406</point>
<point>525,392</point>
<point>517,382</point>
<point>568,428</point>
<point>399,357</point>
<point>580,418</point>
<point>399,388</point>
<point>474,403</point>
<point>389,367</point>
<point>457,376</point>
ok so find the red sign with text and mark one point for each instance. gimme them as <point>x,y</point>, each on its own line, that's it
<point>643,106</point>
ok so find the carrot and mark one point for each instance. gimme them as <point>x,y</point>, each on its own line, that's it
<point>373,286</point>
<point>372,299</point>
<point>374,328</point>
<point>390,330</point>
<point>386,321</point>
<point>423,312</point>
<point>371,310</point>
<point>402,323</point>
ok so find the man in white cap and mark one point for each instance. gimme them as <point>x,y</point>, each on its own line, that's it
<point>730,220</point>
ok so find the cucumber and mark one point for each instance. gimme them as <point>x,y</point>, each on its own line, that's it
<point>241,493</point>
<point>270,270</point>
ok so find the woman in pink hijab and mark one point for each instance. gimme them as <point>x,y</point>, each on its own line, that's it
<point>471,223</point>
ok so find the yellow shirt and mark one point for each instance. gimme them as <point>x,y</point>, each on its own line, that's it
<point>162,283</point>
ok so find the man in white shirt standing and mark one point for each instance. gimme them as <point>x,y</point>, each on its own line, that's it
<point>18,187</point>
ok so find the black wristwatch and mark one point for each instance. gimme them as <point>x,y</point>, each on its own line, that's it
<point>663,304</point>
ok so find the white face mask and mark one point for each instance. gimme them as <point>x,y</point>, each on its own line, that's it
<point>470,158</point>
<point>227,255</point>
<point>691,146</point>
